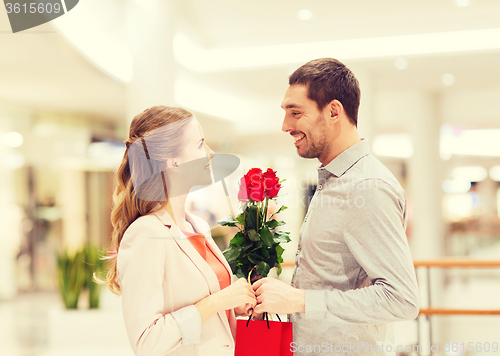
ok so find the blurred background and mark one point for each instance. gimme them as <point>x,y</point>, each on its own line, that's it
<point>430,111</point>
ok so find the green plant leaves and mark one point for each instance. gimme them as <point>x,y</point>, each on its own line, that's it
<point>282,237</point>
<point>273,224</point>
<point>251,213</point>
<point>71,273</point>
<point>238,239</point>
<point>255,258</point>
<point>227,220</point>
<point>282,208</point>
<point>267,236</point>
<point>232,253</point>
<point>263,268</point>
<point>255,246</point>
<point>75,273</point>
<point>253,235</point>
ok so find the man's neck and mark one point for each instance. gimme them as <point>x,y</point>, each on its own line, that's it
<point>338,146</point>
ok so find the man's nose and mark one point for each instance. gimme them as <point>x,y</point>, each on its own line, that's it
<point>286,127</point>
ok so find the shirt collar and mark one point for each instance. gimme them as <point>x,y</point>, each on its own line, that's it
<point>346,159</point>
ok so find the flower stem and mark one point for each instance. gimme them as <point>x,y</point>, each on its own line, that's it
<point>265,211</point>
<point>257,227</point>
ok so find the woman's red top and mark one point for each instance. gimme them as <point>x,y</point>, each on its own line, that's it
<point>200,244</point>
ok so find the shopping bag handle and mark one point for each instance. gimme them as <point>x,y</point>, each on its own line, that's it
<point>265,317</point>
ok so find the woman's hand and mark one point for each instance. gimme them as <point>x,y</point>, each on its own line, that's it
<point>237,294</point>
<point>244,310</point>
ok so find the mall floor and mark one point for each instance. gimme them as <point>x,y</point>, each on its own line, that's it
<point>37,325</point>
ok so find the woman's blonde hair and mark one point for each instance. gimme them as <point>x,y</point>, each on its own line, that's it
<point>140,182</point>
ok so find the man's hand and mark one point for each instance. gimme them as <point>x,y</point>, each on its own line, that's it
<point>276,297</point>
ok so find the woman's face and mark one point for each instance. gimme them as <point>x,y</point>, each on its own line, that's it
<point>194,161</point>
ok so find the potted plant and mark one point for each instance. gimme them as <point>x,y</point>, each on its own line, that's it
<point>71,277</point>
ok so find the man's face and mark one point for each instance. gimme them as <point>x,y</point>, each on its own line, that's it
<point>305,122</point>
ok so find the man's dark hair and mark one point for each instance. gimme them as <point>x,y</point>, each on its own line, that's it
<point>327,79</point>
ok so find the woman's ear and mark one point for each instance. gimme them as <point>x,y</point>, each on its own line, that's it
<point>172,164</point>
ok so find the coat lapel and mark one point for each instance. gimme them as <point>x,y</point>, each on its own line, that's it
<point>186,246</point>
<point>201,226</point>
<point>190,251</point>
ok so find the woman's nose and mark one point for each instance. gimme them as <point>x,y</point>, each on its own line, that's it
<point>210,153</point>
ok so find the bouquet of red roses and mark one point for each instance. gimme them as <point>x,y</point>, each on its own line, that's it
<point>256,246</point>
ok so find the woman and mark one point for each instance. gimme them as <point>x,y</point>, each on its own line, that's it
<point>176,285</point>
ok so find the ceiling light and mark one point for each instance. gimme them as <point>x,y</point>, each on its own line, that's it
<point>190,55</point>
<point>13,139</point>
<point>211,101</point>
<point>495,173</point>
<point>469,173</point>
<point>462,3</point>
<point>482,142</point>
<point>12,160</point>
<point>97,42</point>
<point>456,186</point>
<point>401,63</point>
<point>305,14</point>
<point>448,79</point>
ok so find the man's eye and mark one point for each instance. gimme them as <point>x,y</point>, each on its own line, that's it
<point>295,113</point>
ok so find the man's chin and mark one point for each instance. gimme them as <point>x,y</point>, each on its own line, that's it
<point>306,154</point>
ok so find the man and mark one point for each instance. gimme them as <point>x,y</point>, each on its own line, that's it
<point>353,274</point>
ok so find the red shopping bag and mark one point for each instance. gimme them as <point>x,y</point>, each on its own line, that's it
<point>263,338</point>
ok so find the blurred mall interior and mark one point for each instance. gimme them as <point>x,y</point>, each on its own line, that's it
<point>69,88</point>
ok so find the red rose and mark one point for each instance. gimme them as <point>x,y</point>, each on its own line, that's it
<point>243,193</point>
<point>254,176</point>
<point>256,192</point>
<point>252,186</point>
<point>271,183</point>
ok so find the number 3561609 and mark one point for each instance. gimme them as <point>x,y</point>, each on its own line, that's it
<point>33,8</point>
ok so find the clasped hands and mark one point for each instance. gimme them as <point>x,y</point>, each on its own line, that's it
<point>272,296</point>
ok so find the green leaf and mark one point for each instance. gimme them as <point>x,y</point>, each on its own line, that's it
<point>238,239</point>
<point>227,220</point>
<point>240,274</point>
<point>273,224</point>
<point>251,217</point>
<point>282,237</point>
<point>253,235</point>
<point>278,268</point>
<point>279,251</point>
<point>254,258</point>
<point>241,219</point>
<point>267,236</point>
<point>279,211</point>
<point>232,253</point>
<point>246,246</point>
<point>263,268</point>
<point>264,252</point>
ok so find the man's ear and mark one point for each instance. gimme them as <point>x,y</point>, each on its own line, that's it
<point>335,109</point>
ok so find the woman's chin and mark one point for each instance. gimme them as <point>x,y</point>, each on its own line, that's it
<point>204,179</point>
